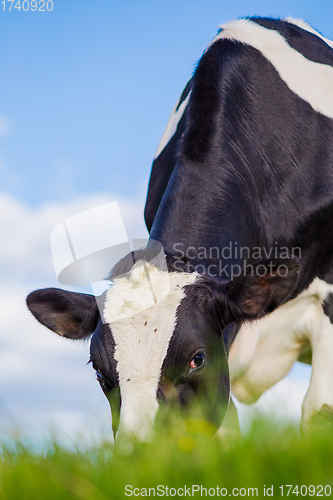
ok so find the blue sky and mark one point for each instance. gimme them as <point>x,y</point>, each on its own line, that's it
<point>85,94</point>
<point>87,88</point>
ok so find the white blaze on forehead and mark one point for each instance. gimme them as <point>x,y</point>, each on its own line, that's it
<point>310,80</point>
<point>142,318</point>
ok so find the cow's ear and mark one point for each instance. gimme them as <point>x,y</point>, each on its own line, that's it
<point>262,288</point>
<point>69,314</point>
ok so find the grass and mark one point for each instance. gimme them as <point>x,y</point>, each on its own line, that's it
<point>180,454</point>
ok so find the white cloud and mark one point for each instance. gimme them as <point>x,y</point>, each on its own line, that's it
<point>43,377</point>
<point>25,254</point>
<point>38,368</point>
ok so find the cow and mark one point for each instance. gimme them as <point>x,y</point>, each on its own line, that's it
<point>240,199</point>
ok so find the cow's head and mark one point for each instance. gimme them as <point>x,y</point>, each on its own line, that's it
<point>147,352</point>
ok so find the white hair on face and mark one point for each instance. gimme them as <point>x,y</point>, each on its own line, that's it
<point>141,310</point>
<point>310,80</point>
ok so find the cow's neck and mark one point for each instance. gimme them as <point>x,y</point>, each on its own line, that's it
<point>204,228</point>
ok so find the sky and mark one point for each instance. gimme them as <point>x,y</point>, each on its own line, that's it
<point>85,93</point>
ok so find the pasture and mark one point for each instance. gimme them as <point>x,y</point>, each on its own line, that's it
<point>84,129</point>
<point>182,455</point>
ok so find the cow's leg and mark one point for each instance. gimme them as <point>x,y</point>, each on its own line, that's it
<point>317,406</point>
<point>278,340</point>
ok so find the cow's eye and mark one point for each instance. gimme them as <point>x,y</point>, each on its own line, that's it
<point>197,361</point>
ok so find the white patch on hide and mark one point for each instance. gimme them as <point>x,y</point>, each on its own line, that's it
<point>310,80</point>
<point>305,26</point>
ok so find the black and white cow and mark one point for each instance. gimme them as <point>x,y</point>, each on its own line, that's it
<point>241,198</point>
